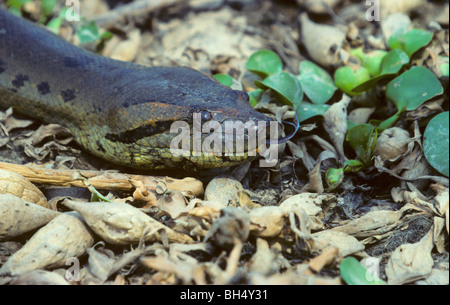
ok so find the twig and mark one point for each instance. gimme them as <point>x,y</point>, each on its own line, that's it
<point>136,8</point>
<point>102,180</point>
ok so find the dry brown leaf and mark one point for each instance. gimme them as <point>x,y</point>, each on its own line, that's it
<point>181,270</point>
<point>122,224</point>
<point>374,222</point>
<point>126,50</point>
<point>15,184</point>
<point>19,216</point>
<point>324,50</point>
<point>174,203</point>
<point>392,144</point>
<point>411,262</point>
<point>346,244</point>
<point>64,237</point>
<point>442,200</point>
<point>327,257</point>
<point>246,202</point>
<point>208,213</point>
<point>39,277</point>
<point>263,261</point>
<point>360,115</point>
<point>224,190</point>
<point>335,123</point>
<point>233,224</point>
<point>267,221</point>
<point>10,122</point>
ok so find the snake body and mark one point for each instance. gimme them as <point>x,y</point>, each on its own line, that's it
<point>119,111</point>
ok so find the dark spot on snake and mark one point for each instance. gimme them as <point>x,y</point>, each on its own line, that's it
<point>2,67</point>
<point>100,147</point>
<point>132,161</point>
<point>12,90</point>
<point>68,95</point>
<point>133,135</point>
<point>43,88</point>
<point>130,102</point>
<point>70,62</point>
<point>20,80</point>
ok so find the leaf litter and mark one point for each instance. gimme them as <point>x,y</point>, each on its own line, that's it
<point>248,225</point>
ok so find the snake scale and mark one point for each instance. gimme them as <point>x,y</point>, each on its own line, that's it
<point>118,111</point>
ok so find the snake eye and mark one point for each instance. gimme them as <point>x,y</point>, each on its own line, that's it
<point>205,115</point>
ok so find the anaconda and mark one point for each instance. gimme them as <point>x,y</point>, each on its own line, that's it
<point>119,111</point>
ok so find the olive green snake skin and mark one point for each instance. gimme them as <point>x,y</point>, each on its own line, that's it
<point>119,111</point>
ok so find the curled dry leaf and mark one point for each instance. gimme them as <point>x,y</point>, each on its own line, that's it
<point>442,201</point>
<point>327,257</point>
<point>312,204</point>
<point>64,237</point>
<point>173,203</point>
<point>360,115</point>
<point>39,277</point>
<point>127,50</point>
<point>267,221</point>
<point>346,244</point>
<point>233,224</point>
<point>315,183</point>
<point>323,50</point>
<point>15,184</point>
<point>19,216</point>
<point>392,144</point>
<point>224,190</point>
<point>335,123</point>
<point>411,262</point>
<point>263,261</point>
<point>375,222</point>
<point>122,224</point>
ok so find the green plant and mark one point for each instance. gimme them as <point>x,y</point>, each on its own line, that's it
<point>436,143</point>
<point>347,78</point>
<point>354,273</point>
<point>290,89</point>
<point>407,90</point>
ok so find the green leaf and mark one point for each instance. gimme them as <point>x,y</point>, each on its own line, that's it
<point>286,86</point>
<point>353,166</point>
<point>47,7</point>
<point>391,64</point>
<point>436,143</point>
<point>88,32</point>
<point>347,78</point>
<point>413,87</point>
<point>316,82</point>
<point>255,96</point>
<point>264,63</point>
<point>416,39</point>
<point>334,177</point>
<point>54,25</point>
<point>15,6</point>
<point>354,273</point>
<point>371,61</point>
<point>444,69</point>
<point>17,3</point>
<point>410,41</point>
<point>362,138</point>
<point>308,110</point>
<point>224,79</point>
